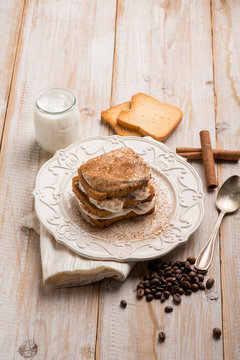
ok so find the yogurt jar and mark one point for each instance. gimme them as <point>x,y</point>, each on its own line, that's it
<point>56,119</point>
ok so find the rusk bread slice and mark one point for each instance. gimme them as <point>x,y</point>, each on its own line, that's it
<point>107,222</point>
<point>98,195</point>
<point>150,117</point>
<point>84,199</point>
<point>114,174</point>
<point>110,116</point>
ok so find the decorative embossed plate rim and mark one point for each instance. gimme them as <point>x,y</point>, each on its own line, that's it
<point>180,174</point>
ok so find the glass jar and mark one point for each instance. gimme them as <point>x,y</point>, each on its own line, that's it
<point>56,119</point>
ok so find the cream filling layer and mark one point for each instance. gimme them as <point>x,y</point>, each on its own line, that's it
<point>115,205</point>
<point>139,209</point>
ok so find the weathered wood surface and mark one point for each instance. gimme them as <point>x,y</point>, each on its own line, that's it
<point>226,47</point>
<point>69,44</point>
<point>11,13</point>
<point>157,53</point>
<point>183,53</point>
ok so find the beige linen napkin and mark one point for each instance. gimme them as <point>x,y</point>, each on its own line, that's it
<point>61,267</point>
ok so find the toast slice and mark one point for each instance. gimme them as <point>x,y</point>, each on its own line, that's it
<point>109,117</point>
<point>124,202</point>
<point>150,117</point>
<point>105,223</point>
<point>114,174</point>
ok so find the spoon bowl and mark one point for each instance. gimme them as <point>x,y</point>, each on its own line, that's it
<point>228,201</point>
<point>228,197</point>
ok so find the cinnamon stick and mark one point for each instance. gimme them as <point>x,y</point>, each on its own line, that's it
<point>208,159</point>
<point>187,149</point>
<point>191,155</point>
<point>196,153</point>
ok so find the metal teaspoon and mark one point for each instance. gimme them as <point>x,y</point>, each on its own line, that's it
<point>228,200</point>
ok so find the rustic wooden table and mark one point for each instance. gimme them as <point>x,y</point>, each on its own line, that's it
<point>182,52</point>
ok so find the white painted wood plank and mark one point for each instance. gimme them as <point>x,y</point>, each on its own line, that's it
<point>226,44</point>
<point>68,44</point>
<point>164,49</point>
<point>10,21</point>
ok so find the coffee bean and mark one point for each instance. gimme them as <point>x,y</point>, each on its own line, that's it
<point>191,259</point>
<point>161,336</point>
<point>178,271</point>
<point>123,304</point>
<point>168,309</point>
<point>140,293</point>
<point>166,294</point>
<point>202,272</point>
<point>186,284</point>
<point>169,268</point>
<point>140,286</point>
<point>174,289</point>
<point>154,281</point>
<point>209,283</point>
<point>201,286</point>
<point>161,288</point>
<point>155,274</point>
<point>196,279</point>
<point>217,333</point>
<point>192,274</point>
<point>177,298</point>
<point>147,291</point>
<point>146,283</point>
<point>168,274</point>
<point>153,291</point>
<point>158,295</point>
<point>188,292</point>
<point>180,291</point>
<point>195,287</point>
<point>162,298</point>
<point>149,297</point>
<point>200,277</point>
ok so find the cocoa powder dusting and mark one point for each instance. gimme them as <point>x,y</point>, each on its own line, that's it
<point>115,170</point>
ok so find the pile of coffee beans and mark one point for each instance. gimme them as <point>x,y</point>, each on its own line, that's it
<point>174,278</point>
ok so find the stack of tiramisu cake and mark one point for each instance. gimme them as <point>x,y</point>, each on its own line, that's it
<point>113,187</point>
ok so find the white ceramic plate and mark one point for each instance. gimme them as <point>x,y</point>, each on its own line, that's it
<point>179,202</point>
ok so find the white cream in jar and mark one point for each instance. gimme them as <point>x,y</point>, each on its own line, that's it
<point>56,119</point>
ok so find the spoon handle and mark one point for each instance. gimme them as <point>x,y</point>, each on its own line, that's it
<point>205,256</point>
